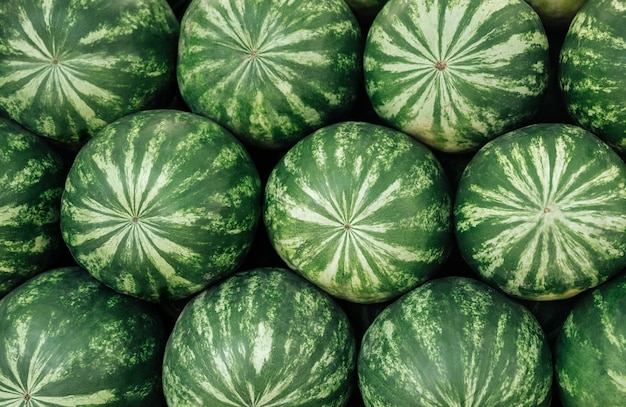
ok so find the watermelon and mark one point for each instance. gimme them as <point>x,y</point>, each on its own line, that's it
<point>31,175</point>
<point>70,67</point>
<point>549,221</point>
<point>68,340</point>
<point>455,74</point>
<point>589,352</point>
<point>361,210</point>
<point>160,204</point>
<point>591,66</point>
<point>270,71</point>
<point>365,10</point>
<point>455,341</point>
<point>556,15</point>
<point>239,343</point>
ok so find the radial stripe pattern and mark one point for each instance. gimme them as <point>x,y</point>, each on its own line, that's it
<point>362,210</point>
<point>160,204</point>
<point>550,220</point>
<point>455,342</point>
<point>270,71</point>
<point>237,344</point>
<point>67,340</point>
<point>64,72</point>
<point>455,74</point>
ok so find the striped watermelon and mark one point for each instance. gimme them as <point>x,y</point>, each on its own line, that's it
<point>455,74</point>
<point>31,179</point>
<point>270,71</point>
<point>67,340</point>
<point>455,341</point>
<point>589,352</point>
<point>591,65</point>
<point>239,343</point>
<point>361,210</point>
<point>69,67</point>
<point>549,221</point>
<point>160,204</point>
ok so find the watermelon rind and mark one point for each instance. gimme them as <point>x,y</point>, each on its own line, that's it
<point>270,71</point>
<point>591,70</point>
<point>589,352</point>
<point>262,337</point>
<point>455,341</point>
<point>70,67</point>
<point>456,74</point>
<point>68,340</point>
<point>31,179</point>
<point>361,210</point>
<point>540,212</point>
<point>160,204</point>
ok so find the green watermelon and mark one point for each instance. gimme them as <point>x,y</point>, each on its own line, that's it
<point>70,67</point>
<point>270,71</point>
<point>589,352</point>
<point>160,204</point>
<point>263,337</point>
<point>361,210</point>
<point>541,212</point>
<point>455,74</point>
<point>556,15</point>
<point>31,179</point>
<point>455,341</point>
<point>67,340</point>
<point>591,65</point>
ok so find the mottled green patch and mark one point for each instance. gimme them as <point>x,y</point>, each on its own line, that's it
<point>237,344</point>
<point>64,72</point>
<point>455,342</point>
<point>591,70</point>
<point>256,55</point>
<point>169,197</point>
<point>549,221</point>
<point>456,74</point>
<point>361,210</point>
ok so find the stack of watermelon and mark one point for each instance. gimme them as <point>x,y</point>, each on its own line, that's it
<point>329,203</point>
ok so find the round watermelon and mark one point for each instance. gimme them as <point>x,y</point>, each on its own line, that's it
<point>160,204</point>
<point>270,71</point>
<point>31,179</point>
<point>455,341</point>
<point>68,340</point>
<point>361,210</point>
<point>70,67</point>
<point>455,74</point>
<point>591,69</point>
<point>590,350</point>
<point>263,337</point>
<point>541,212</point>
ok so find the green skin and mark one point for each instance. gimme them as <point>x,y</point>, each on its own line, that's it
<point>591,71</point>
<point>361,210</point>
<point>140,214</point>
<point>70,67</point>
<point>456,74</point>
<point>270,71</point>
<point>68,340</point>
<point>237,343</point>
<point>31,175</point>
<point>455,341</point>
<point>550,219</point>
<point>556,14</point>
<point>589,352</point>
